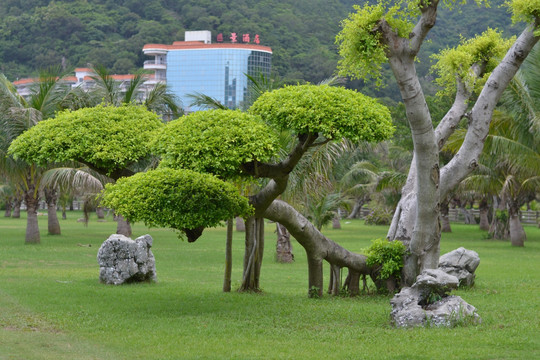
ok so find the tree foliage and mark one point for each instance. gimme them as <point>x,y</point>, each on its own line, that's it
<point>215,142</point>
<point>178,199</point>
<point>332,112</point>
<point>104,137</point>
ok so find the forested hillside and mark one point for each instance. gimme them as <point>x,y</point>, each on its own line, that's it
<point>35,34</point>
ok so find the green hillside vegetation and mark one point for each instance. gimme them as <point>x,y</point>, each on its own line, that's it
<point>35,34</point>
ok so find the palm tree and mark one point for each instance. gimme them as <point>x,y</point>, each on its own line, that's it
<point>18,114</point>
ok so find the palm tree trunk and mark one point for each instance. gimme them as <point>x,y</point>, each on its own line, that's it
<point>517,233</point>
<point>17,201</point>
<point>51,198</point>
<point>99,212</point>
<point>7,213</point>
<point>32,228</point>
<point>240,224</point>
<point>483,206</point>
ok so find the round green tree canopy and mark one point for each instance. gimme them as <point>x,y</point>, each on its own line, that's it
<point>332,112</point>
<point>178,199</point>
<point>215,142</point>
<point>106,137</point>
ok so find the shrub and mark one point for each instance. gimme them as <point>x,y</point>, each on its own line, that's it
<point>387,254</point>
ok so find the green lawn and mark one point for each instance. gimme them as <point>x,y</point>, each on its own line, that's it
<point>52,305</point>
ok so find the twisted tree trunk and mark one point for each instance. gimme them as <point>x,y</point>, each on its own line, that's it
<point>253,255</point>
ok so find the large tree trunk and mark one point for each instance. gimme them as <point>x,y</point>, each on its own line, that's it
<point>283,245</point>
<point>499,227</point>
<point>51,198</point>
<point>31,199</point>
<point>100,213</point>
<point>253,255</point>
<point>483,206</point>
<point>228,257</point>
<point>517,233</point>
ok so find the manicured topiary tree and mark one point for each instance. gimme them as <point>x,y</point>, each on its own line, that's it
<point>108,139</point>
<point>231,145</point>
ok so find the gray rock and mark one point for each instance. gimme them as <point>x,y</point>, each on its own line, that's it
<point>461,263</point>
<point>427,303</point>
<point>123,260</point>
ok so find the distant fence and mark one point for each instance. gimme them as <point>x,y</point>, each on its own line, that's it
<point>527,216</point>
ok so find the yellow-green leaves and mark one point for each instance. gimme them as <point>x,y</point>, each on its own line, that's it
<point>178,199</point>
<point>215,142</point>
<point>332,112</point>
<point>361,50</point>
<point>525,10</point>
<point>456,63</point>
<point>107,137</point>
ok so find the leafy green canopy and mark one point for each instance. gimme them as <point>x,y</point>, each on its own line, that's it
<point>332,112</point>
<point>487,48</point>
<point>215,142</point>
<point>179,199</point>
<point>360,47</point>
<point>106,137</point>
<point>524,10</point>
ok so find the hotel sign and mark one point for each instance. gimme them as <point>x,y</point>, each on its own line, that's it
<point>235,37</point>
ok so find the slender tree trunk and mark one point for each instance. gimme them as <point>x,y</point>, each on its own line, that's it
<point>123,226</point>
<point>445,220</point>
<point>51,198</point>
<point>283,245</point>
<point>253,254</point>
<point>357,208</point>
<point>484,211</point>
<point>7,213</point>
<point>32,228</point>
<point>334,285</point>
<point>517,233</point>
<point>352,283</point>
<point>228,257</point>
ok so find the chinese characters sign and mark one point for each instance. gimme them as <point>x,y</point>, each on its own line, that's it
<point>245,38</point>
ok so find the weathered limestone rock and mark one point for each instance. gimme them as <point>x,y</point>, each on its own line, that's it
<point>461,263</point>
<point>427,303</point>
<point>122,260</point>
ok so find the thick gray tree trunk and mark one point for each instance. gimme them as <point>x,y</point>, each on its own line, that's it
<point>51,198</point>
<point>415,221</point>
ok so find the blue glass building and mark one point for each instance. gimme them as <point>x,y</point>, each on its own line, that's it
<point>217,70</point>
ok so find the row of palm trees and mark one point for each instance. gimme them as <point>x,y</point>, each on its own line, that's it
<point>29,182</point>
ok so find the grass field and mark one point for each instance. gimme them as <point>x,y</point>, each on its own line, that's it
<point>52,305</point>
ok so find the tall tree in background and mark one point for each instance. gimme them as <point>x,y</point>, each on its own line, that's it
<point>378,33</point>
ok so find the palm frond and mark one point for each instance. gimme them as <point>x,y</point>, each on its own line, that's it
<point>205,102</point>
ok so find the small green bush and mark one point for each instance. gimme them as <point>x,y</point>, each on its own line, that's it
<point>387,254</point>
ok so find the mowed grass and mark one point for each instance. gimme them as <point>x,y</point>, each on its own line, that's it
<point>52,305</point>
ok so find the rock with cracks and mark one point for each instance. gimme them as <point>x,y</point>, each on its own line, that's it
<point>122,260</point>
<point>427,303</point>
<point>461,263</point>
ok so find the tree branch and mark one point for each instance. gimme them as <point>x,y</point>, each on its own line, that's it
<point>424,25</point>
